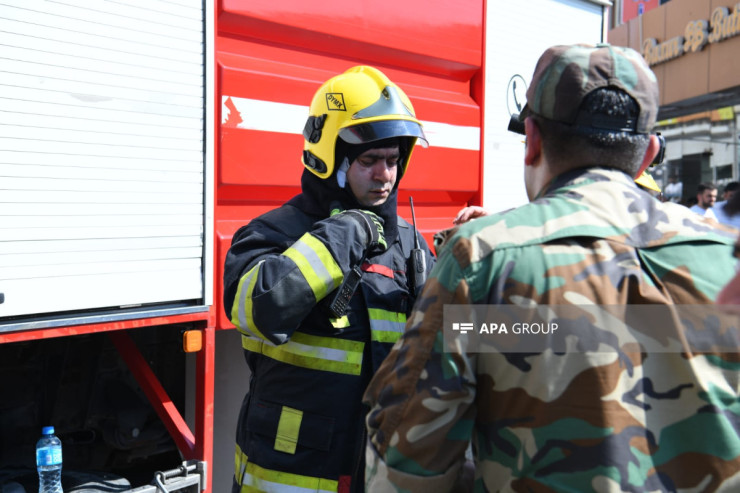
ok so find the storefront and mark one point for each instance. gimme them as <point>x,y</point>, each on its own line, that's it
<point>692,47</point>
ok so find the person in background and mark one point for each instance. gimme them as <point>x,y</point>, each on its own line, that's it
<point>320,289</point>
<point>673,191</point>
<point>601,415</point>
<point>728,192</point>
<point>719,207</point>
<point>728,299</point>
<point>706,196</point>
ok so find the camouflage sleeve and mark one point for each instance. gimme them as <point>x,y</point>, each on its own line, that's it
<point>421,416</point>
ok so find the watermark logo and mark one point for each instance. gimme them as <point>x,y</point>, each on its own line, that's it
<point>462,327</point>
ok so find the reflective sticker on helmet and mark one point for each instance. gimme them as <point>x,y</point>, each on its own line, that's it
<point>335,101</point>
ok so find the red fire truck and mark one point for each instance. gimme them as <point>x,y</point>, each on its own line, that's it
<point>136,137</point>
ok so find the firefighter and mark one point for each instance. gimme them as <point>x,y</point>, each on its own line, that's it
<point>320,290</point>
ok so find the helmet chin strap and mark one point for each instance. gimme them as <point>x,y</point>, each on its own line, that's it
<point>342,173</point>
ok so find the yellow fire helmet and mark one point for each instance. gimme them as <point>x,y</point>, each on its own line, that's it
<point>647,181</point>
<point>359,106</point>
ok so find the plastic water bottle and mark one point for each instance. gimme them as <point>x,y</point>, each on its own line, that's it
<point>49,461</point>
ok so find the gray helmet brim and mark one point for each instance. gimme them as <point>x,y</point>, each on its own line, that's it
<point>381,130</point>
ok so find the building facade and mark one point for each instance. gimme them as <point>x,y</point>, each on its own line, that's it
<point>691,45</point>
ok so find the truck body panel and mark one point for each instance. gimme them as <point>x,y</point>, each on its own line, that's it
<point>136,141</point>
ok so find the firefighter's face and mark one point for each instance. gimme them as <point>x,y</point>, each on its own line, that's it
<point>373,175</point>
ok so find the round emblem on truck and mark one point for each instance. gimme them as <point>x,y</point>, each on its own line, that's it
<point>516,94</point>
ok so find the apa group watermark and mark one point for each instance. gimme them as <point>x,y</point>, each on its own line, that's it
<point>590,328</point>
<point>517,328</point>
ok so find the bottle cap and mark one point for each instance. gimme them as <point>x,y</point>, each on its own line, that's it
<point>47,430</point>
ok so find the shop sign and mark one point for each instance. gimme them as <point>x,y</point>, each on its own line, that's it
<point>721,26</point>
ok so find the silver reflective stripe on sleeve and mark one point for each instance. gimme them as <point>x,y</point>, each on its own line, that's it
<point>309,351</point>
<point>241,311</point>
<point>316,264</point>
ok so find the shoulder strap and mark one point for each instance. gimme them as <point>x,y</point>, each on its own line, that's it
<point>405,237</point>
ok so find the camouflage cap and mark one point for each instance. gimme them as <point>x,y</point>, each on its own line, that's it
<point>565,75</point>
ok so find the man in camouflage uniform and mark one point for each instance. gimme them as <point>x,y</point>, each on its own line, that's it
<point>589,418</point>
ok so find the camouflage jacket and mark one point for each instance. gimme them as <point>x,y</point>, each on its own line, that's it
<point>581,420</point>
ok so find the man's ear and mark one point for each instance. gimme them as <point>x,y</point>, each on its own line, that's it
<point>533,144</point>
<point>650,153</point>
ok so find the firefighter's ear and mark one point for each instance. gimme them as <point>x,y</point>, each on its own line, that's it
<point>533,142</point>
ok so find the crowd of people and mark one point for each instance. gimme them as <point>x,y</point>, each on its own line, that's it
<point>359,382</point>
<point>705,202</point>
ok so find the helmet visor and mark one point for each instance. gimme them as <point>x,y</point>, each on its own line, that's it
<point>380,130</point>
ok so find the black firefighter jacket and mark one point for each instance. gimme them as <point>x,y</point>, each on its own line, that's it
<point>302,421</point>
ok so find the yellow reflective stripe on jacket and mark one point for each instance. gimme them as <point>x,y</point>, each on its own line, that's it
<point>256,478</point>
<point>240,464</point>
<point>316,264</point>
<point>386,326</point>
<point>289,426</point>
<point>241,311</point>
<point>340,323</point>
<point>315,352</point>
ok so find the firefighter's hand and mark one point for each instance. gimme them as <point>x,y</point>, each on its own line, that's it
<point>371,224</point>
<point>468,213</point>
